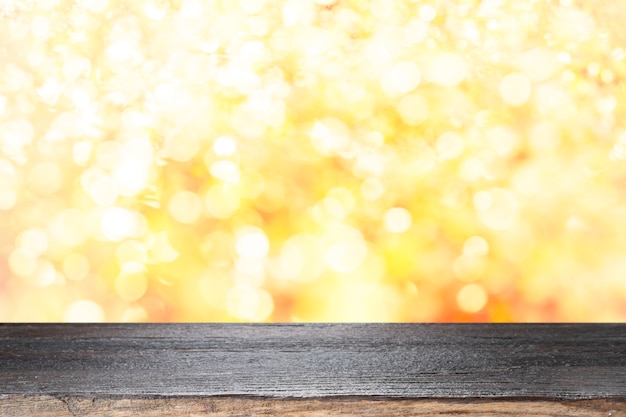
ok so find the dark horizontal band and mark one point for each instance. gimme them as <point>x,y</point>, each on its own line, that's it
<point>412,361</point>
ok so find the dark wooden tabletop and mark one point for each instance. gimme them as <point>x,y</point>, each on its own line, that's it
<point>556,361</point>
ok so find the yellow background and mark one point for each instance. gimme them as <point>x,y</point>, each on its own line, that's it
<point>299,160</point>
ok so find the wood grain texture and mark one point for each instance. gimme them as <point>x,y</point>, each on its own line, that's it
<point>316,360</point>
<point>334,406</point>
<point>298,370</point>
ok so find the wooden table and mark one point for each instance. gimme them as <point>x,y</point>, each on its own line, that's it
<point>312,370</point>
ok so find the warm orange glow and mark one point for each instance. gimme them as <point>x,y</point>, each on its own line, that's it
<point>312,160</point>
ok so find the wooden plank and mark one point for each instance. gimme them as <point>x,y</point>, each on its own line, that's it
<point>298,369</point>
<point>334,406</point>
<point>316,360</point>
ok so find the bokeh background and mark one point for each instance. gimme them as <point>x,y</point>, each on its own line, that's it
<point>300,160</point>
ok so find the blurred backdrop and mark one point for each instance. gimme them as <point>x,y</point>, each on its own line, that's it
<point>300,160</point>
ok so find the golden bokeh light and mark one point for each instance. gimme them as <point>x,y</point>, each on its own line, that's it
<point>312,160</point>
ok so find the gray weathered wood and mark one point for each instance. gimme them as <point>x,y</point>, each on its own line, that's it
<point>414,361</point>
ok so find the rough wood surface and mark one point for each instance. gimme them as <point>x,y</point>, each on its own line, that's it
<point>301,370</point>
<point>316,360</point>
<point>240,407</point>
